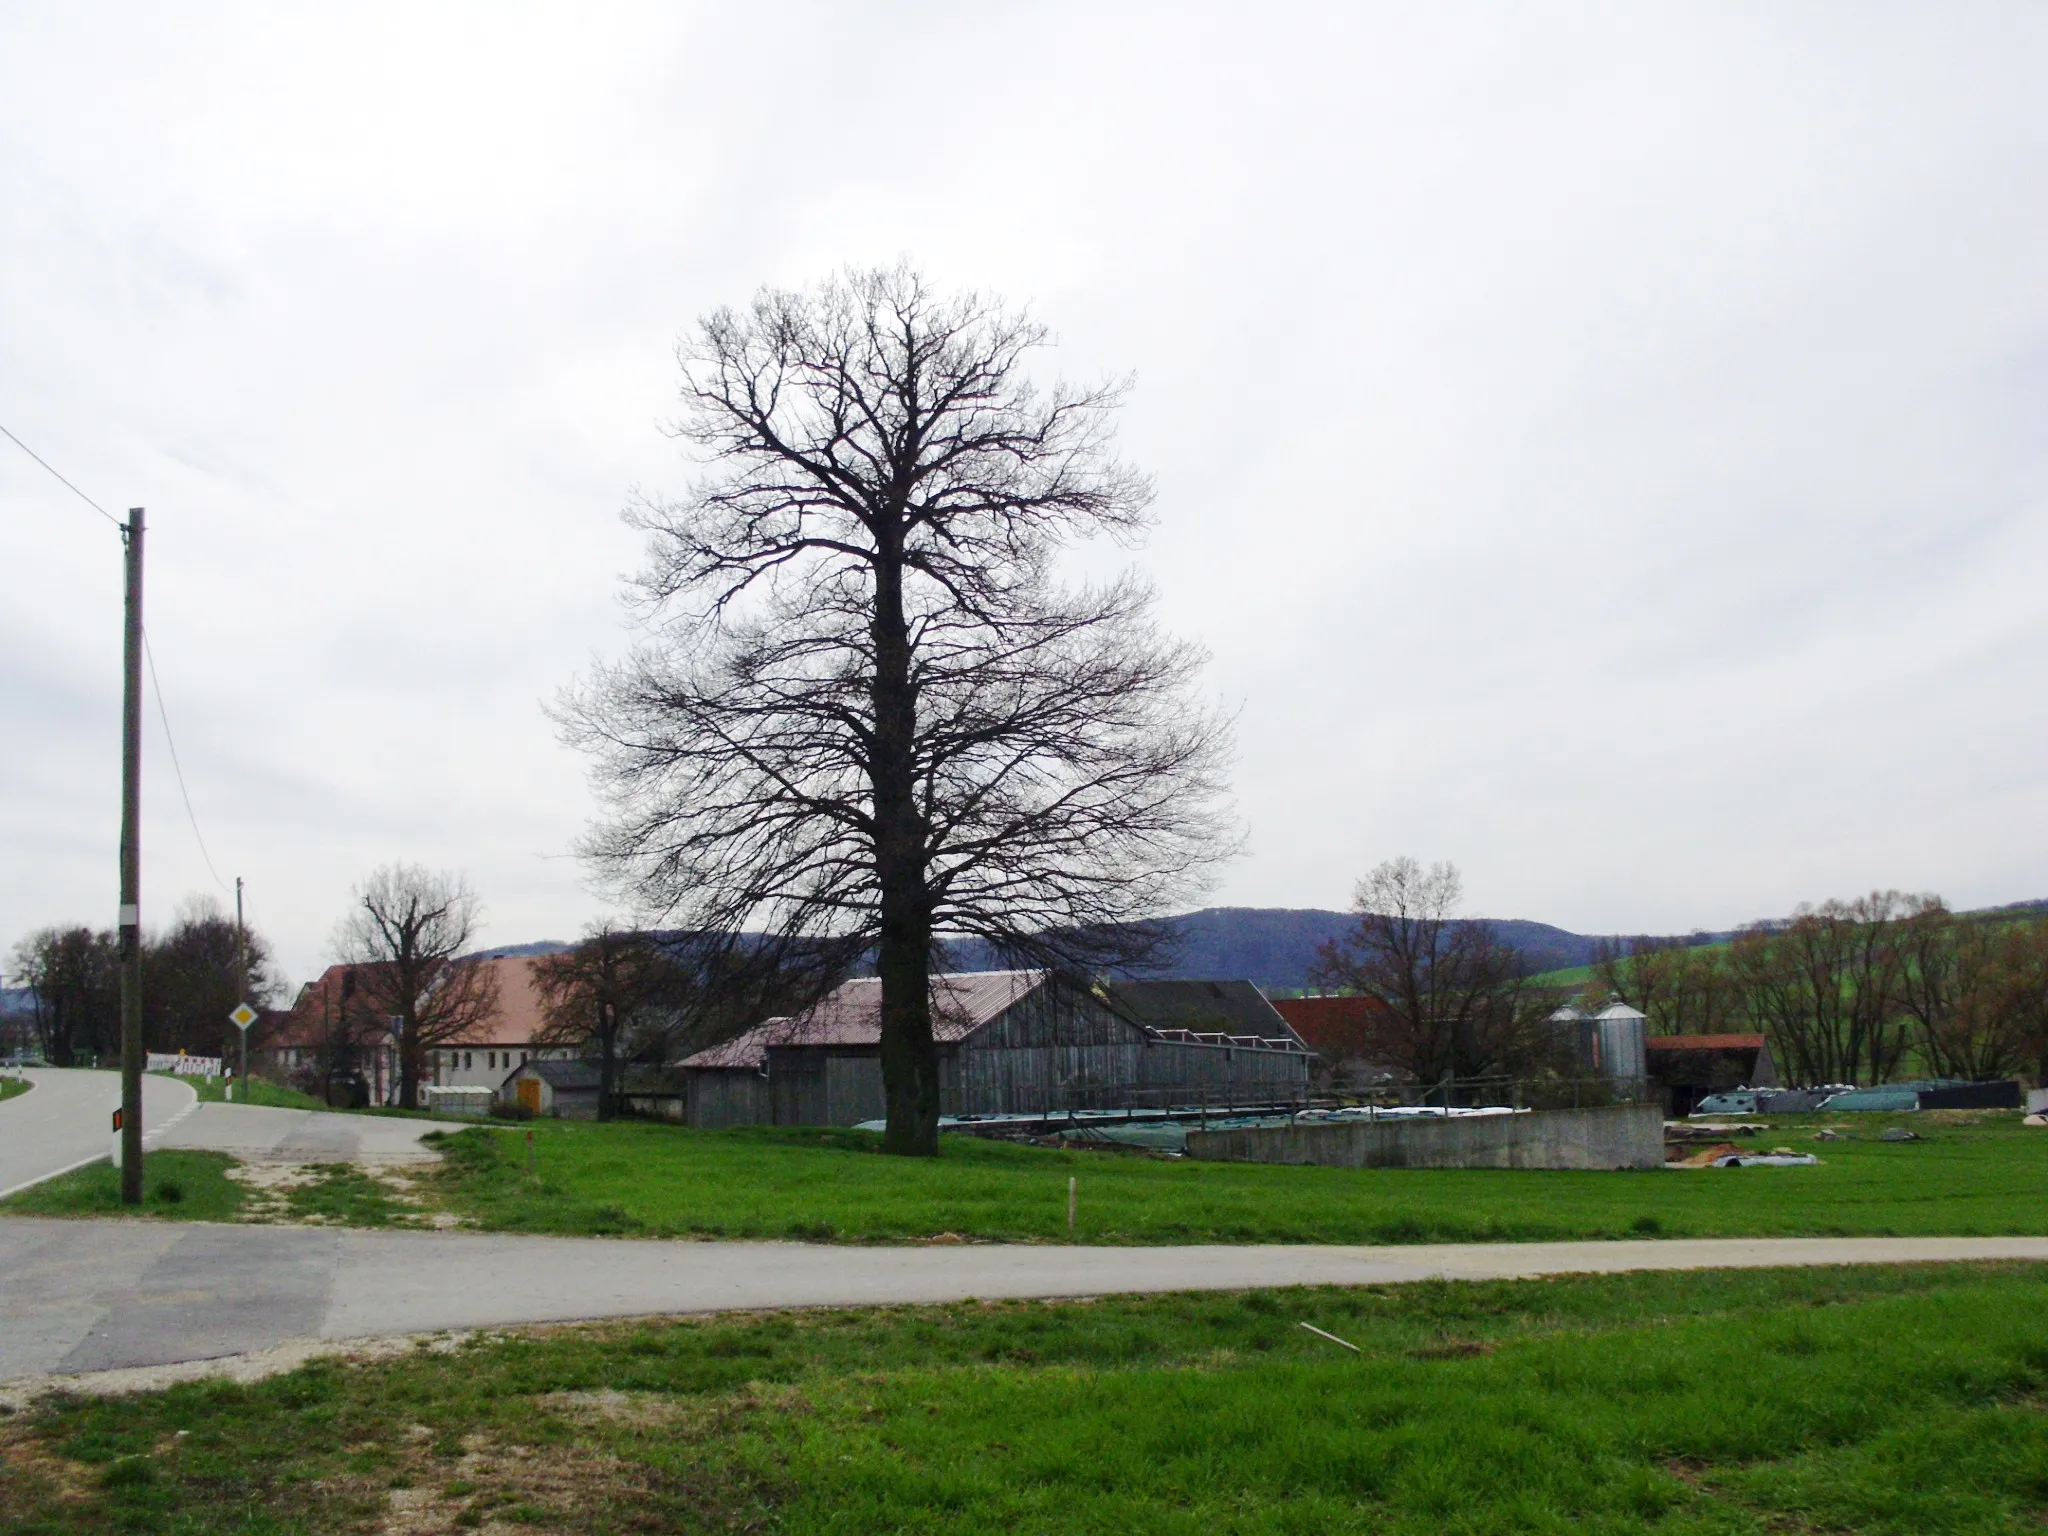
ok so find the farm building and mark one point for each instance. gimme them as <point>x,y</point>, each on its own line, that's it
<point>566,1089</point>
<point>1689,1067</point>
<point>1010,1042</point>
<point>328,1025</point>
<point>1344,1032</point>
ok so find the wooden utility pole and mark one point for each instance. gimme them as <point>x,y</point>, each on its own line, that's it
<point>131,873</point>
<point>241,985</point>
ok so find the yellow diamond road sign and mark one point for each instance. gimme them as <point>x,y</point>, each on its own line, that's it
<point>243,1016</point>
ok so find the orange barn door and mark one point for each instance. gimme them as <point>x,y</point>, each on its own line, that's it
<point>529,1094</point>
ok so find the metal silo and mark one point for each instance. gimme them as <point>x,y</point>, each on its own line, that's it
<point>1618,1043</point>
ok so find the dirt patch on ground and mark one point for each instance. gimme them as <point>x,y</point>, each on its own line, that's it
<point>567,1486</point>
<point>507,1488</point>
<point>268,1185</point>
<point>362,1192</point>
<point>38,1472</point>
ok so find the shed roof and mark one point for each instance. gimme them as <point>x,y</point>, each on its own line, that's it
<point>851,1015</point>
<point>1704,1043</point>
<point>1219,1007</point>
<point>569,1075</point>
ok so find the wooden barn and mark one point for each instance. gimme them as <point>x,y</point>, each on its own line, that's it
<point>1010,1042</point>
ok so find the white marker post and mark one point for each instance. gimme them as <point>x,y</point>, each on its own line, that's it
<point>116,1156</point>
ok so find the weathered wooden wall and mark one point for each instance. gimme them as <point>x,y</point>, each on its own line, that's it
<point>723,1098</point>
<point>1044,1054</point>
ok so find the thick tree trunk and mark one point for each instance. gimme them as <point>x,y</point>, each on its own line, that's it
<point>409,1065</point>
<point>910,1058</point>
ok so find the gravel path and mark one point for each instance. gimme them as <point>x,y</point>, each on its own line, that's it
<point>255,1134</point>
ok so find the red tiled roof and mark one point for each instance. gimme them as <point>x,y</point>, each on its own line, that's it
<point>1703,1043</point>
<point>1334,1027</point>
<point>852,1016</point>
<point>518,1018</point>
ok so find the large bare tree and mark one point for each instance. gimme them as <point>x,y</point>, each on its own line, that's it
<point>871,711</point>
<point>405,937</point>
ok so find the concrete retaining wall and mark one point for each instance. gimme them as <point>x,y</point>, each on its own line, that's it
<point>1624,1136</point>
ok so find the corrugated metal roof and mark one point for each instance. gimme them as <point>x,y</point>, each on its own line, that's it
<point>1211,1007</point>
<point>852,1016</point>
<point>747,1051</point>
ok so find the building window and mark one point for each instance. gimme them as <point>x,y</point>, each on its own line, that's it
<point>468,1059</point>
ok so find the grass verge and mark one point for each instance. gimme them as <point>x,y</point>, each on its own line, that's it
<point>1979,1177</point>
<point>1882,1400</point>
<point>260,1091</point>
<point>11,1087</point>
<point>178,1186</point>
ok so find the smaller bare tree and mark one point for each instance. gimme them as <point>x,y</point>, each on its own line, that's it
<point>1826,986</point>
<point>1452,998</point>
<point>607,995</point>
<point>406,937</point>
<point>1680,988</point>
<point>195,973</point>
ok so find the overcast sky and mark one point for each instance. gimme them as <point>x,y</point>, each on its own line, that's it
<point>1602,446</point>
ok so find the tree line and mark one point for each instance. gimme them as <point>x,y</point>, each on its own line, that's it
<point>193,974</point>
<point>1885,986</point>
<point>409,979</point>
<point>1856,991</point>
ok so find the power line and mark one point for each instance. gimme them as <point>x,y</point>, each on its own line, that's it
<point>164,717</point>
<point>156,685</point>
<point>74,490</point>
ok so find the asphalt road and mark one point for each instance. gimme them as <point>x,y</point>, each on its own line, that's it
<point>66,1121</point>
<point>82,1296</point>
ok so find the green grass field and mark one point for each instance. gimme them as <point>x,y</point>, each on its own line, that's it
<point>178,1186</point>
<point>1988,1176</point>
<point>12,1086</point>
<point>1887,1400</point>
<point>1984,1176</point>
<point>195,1186</point>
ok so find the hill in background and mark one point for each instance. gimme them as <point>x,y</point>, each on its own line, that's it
<point>1276,946</point>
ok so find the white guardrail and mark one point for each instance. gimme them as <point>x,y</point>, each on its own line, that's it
<point>183,1066</point>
